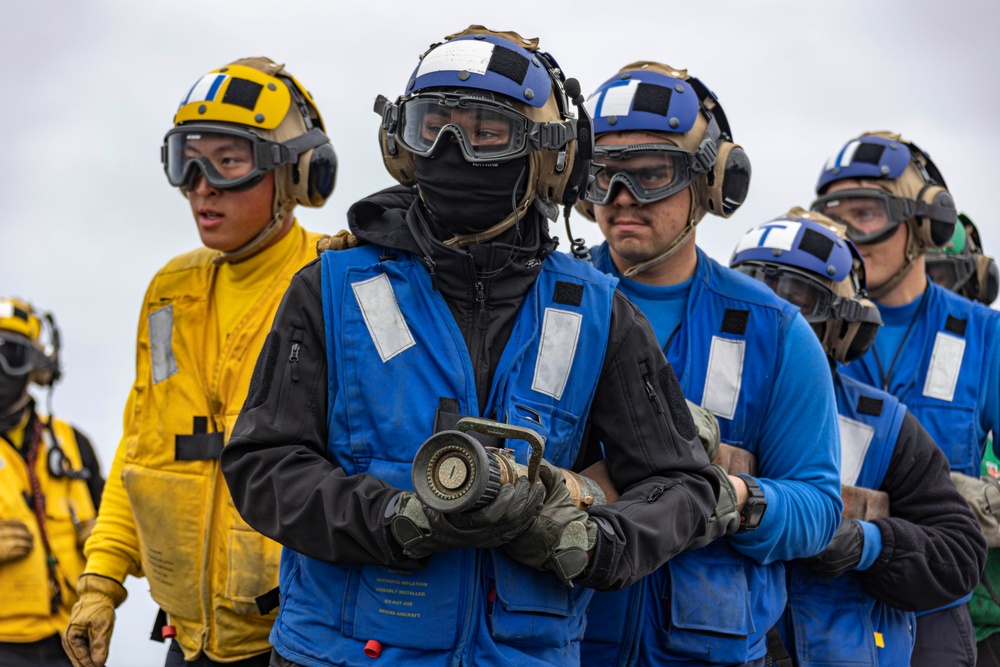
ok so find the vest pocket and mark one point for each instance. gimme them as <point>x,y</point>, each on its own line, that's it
<point>700,625</point>
<point>252,568</point>
<point>530,608</point>
<point>172,535</point>
<point>419,609</point>
<point>557,426</point>
<point>953,428</point>
<point>831,621</point>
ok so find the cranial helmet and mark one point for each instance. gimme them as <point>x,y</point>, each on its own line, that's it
<point>479,68</point>
<point>257,101</point>
<point>807,259</point>
<point>906,185</point>
<point>21,349</point>
<point>666,102</point>
<point>961,266</point>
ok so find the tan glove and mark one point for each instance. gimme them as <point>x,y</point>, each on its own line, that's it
<point>342,240</point>
<point>983,496</point>
<point>88,634</point>
<point>708,429</point>
<point>15,540</point>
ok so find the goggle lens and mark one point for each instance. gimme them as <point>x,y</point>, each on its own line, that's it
<point>227,161</point>
<point>484,131</point>
<point>649,173</point>
<point>811,298</point>
<point>16,356</point>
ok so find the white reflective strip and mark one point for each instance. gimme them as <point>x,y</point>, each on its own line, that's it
<point>942,372</point>
<point>724,377</point>
<point>775,234</point>
<point>849,152</point>
<point>560,333</point>
<point>6,309</point>
<point>161,345</point>
<point>207,84</point>
<point>470,55</point>
<point>617,100</point>
<point>382,316</point>
<point>855,439</point>
<point>831,162</point>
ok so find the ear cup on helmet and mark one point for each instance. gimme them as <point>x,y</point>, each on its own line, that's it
<point>939,226</point>
<point>988,275</point>
<point>322,174</point>
<point>729,181</point>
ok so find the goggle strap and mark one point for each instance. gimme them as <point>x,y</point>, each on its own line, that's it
<point>552,136</point>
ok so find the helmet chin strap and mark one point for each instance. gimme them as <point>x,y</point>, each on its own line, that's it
<point>259,242</point>
<point>913,251</point>
<point>697,213</point>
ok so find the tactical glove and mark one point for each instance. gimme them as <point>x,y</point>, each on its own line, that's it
<point>88,634</point>
<point>15,540</point>
<point>708,429</point>
<point>983,496</point>
<point>422,531</point>
<point>559,539</point>
<point>725,518</point>
<point>843,552</point>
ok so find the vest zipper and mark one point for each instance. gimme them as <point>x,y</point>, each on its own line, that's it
<point>291,372</point>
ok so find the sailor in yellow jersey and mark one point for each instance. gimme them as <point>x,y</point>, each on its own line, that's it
<point>247,145</point>
<point>50,485</point>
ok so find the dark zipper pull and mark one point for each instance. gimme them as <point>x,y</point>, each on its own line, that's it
<point>293,359</point>
<point>652,395</point>
<point>481,300</point>
<point>657,492</point>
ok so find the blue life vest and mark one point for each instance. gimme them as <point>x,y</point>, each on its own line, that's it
<point>394,352</point>
<point>941,372</point>
<point>713,605</point>
<point>833,622</point>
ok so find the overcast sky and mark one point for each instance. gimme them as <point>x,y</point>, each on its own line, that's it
<point>91,87</point>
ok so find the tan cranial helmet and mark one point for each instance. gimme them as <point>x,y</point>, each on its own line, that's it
<point>666,102</point>
<point>483,67</point>
<point>260,101</point>
<point>908,185</point>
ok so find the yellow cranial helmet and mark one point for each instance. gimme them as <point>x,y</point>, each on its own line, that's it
<point>21,349</point>
<point>271,117</point>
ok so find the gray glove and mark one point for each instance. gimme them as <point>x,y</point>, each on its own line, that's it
<point>842,554</point>
<point>15,540</point>
<point>559,539</point>
<point>422,531</point>
<point>708,429</point>
<point>983,496</point>
<point>725,518</point>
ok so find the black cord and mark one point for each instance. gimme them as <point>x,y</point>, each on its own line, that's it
<point>885,377</point>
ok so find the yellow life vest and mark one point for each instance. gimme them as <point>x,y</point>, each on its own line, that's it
<point>26,611</point>
<point>166,511</point>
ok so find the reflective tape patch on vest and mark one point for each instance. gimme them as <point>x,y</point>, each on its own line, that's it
<point>560,333</point>
<point>382,316</point>
<point>161,350</point>
<point>946,361</point>
<point>855,439</point>
<point>724,376</point>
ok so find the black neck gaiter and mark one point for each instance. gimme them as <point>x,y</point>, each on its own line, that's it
<point>12,390</point>
<point>467,198</point>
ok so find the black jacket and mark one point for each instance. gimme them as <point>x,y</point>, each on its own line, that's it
<point>285,487</point>
<point>932,550</point>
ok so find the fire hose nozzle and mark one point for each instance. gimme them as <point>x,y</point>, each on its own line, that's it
<point>454,472</point>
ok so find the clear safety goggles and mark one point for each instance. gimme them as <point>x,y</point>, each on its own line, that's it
<point>816,301</point>
<point>228,157</point>
<point>871,216</point>
<point>18,356</point>
<point>484,130</point>
<point>951,272</point>
<point>651,172</point>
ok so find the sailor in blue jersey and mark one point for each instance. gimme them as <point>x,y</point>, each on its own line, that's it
<point>853,603</point>
<point>664,158</point>
<point>454,302</point>
<point>937,352</point>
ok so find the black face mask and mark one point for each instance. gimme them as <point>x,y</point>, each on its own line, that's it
<point>12,388</point>
<point>465,198</point>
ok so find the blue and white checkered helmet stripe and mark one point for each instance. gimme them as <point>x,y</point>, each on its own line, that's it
<point>206,88</point>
